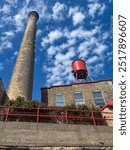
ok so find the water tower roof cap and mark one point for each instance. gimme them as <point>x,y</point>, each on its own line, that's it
<point>34,13</point>
<point>78,59</point>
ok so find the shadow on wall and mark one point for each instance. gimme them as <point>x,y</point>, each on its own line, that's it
<point>3,96</point>
<point>44,96</point>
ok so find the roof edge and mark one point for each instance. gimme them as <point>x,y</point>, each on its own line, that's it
<point>63,85</point>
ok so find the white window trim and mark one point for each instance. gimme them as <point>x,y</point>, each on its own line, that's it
<point>98,97</point>
<point>84,102</point>
<point>63,98</point>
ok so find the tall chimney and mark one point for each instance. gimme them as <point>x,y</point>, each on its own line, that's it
<point>21,82</point>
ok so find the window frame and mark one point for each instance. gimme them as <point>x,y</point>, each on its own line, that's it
<point>78,103</point>
<point>94,99</point>
<point>59,102</point>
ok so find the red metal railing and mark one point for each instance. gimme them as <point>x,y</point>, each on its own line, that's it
<point>7,113</point>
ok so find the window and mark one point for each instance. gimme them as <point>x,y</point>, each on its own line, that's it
<point>99,99</point>
<point>59,99</point>
<point>78,97</point>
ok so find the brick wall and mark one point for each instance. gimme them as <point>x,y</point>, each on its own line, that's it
<point>21,82</point>
<point>3,95</point>
<point>68,90</point>
<point>109,122</point>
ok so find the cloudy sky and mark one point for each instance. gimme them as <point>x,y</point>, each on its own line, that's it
<point>66,30</point>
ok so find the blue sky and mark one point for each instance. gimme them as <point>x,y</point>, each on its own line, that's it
<point>66,30</point>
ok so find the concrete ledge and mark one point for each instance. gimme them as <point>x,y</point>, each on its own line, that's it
<point>54,135</point>
<point>54,148</point>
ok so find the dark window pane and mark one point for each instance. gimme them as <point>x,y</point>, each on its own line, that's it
<point>59,100</point>
<point>59,104</point>
<point>78,96</point>
<point>79,100</point>
<point>100,103</point>
<point>97,94</point>
<point>99,100</point>
<point>59,97</point>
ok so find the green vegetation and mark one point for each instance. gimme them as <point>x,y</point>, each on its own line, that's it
<point>20,102</point>
<point>80,113</point>
<point>81,107</point>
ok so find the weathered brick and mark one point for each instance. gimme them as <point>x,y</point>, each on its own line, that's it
<point>22,78</point>
<point>3,96</point>
<point>87,87</point>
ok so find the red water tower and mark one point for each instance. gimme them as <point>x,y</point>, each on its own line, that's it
<point>79,69</point>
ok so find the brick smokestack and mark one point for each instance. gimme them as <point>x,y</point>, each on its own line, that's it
<point>21,82</point>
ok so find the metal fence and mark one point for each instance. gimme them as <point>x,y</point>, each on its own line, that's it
<point>55,115</point>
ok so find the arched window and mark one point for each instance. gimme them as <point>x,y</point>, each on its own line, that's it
<point>59,99</point>
<point>98,98</point>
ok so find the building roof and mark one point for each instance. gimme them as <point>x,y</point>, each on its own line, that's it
<point>63,85</point>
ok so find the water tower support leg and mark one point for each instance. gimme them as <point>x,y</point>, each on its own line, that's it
<point>90,77</point>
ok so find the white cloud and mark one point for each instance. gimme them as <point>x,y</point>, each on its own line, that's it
<point>93,8</point>
<point>6,9</point>
<point>100,49</point>
<point>5,45</point>
<point>6,20</point>
<point>63,57</point>
<point>9,34</point>
<point>83,54</point>
<point>78,18</point>
<point>52,36</point>
<point>52,50</point>
<point>70,42</point>
<point>92,59</point>
<point>99,69</point>
<point>105,35</point>
<point>20,18</point>
<point>15,53</point>
<point>83,49</point>
<point>109,56</point>
<point>71,36</point>
<point>89,47</point>
<point>19,23</point>
<point>27,2</point>
<point>96,69</point>
<point>5,40</point>
<point>96,7</point>
<point>62,45</point>
<point>41,8</point>
<point>72,11</point>
<point>58,10</point>
<point>59,71</point>
<point>10,1</point>
<point>83,34</point>
<point>102,8</point>
<point>84,46</point>
<point>39,32</point>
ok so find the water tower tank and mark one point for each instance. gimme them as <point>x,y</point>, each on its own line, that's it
<point>79,69</point>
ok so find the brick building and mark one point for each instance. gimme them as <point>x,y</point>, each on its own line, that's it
<point>3,96</point>
<point>97,93</point>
